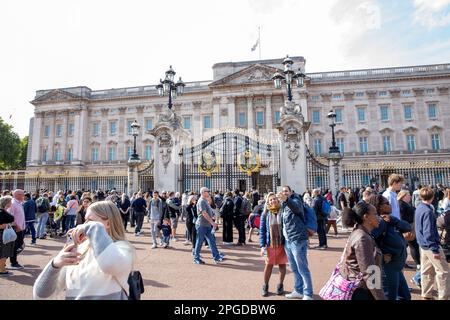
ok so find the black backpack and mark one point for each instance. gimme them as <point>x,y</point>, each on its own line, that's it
<point>42,205</point>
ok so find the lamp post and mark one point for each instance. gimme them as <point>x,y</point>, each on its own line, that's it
<point>169,87</point>
<point>289,77</point>
<point>334,154</point>
<point>135,131</point>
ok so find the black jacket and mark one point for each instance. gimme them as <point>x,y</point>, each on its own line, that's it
<point>5,217</point>
<point>191,213</point>
<point>407,212</point>
<point>238,206</point>
<point>227,209</point>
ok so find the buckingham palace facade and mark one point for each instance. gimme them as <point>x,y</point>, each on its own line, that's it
<point>388,120</point>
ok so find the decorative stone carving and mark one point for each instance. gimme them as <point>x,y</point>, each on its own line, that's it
<point>326,96</point>
<point>371,94</point>
<point>105,112</point>
<point>165,144</point>
<point>349,95</point>
<point>395,93</point>
<point>122,110</point>
<point>418,91</point>
<point>170,118</point>
<point>443,90</point>
<point>291,109</point>
<point>140,109</point>
<point>292,138</point>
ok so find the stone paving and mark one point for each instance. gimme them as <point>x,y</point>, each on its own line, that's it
<point>171,274</point>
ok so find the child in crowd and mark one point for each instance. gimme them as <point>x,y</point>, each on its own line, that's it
<point>167,231</point>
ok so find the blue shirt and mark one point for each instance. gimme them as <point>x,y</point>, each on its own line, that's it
<point>392,197</point>
<point>426,229</point>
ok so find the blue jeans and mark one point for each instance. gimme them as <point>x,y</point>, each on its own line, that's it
<point>418,277</point>
<point>30,226</point>
<point>296,252</point>
<point>70,222</point>
<point>205,233</point>
<point>394,282</point>
<point>42,222</point>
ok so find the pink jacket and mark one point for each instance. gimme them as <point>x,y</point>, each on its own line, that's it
<point>17,212</point>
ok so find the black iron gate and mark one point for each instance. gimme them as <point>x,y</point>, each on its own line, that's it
<point>231,160</point>
<point>318,172</point>
<point>145,175</point>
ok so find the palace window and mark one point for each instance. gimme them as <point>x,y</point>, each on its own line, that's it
<point>44,154</point>
<point>148,152</point>
<point>129,152</point>
<point>382,93</point>
<point>69,154</point>
<point>435,141</point>
<point>112,154</point>
<point>95,129</point>
<point>360,94</point>
<point>406,93</point>
<point>94,154</point>
<point>384,112</point>
<point>113,128</point>
<point>363,145</point>
<point>46,131</point>
<point>316,116</point>
<point>242,119</point>
<point>71,129</point>
<point>59,130</point>
<point>411,142</point>
<point>407,110</point>
<point>387,143</point>
<point>337,96</point>
<point>277,116</point>
<point>361,114</point>
<point>259,118</point>
<point>187,123</point>
<point>338,115</point>
<point>341,145</point>
<point>314,98</point>
<point>432,111</point>
<point>317,147</point>
<point>57,154</point>
<point>430,91</point>
<point>148,124</point>
<point>207,122</point>
<point>129,129</point>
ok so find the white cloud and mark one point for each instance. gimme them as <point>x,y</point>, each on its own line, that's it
<point>429,14</point>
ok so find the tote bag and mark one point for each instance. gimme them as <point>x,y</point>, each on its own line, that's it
<point>9,235</point>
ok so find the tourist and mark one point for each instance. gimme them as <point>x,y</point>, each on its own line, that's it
<point>332,220</point>
<point>254,220</point>
<point>416,197</point>
<point>184,204</point>
<point>132,215</point>
<point>124,206</point>
<point>389,238</point>
<point>329,196</point>
<point>317,205</point>
<point>99,253</point>
<point>444,220</point>
<point>239,217</point>
<point>395,182</point>
<point>342,199</point>
<point>82,210</point>
<point>16,210</point>
<point>307,198</point>
<point>191,216</point>
<point>29,208</point>
<point>433,266</point>
<point>218,201</point>
<point>352,200</point>
<point>227,213</point>
<point>71,212</point>
<point>43,208</point>
<point>296,243</point>
<point>174,213</point>
<point>166,232</point>
<point>271,240</point>
<point>361,253</point>
<point>6,249</point>
<point>203,227</point>
<point>155,209</point>
<point>139,206</point>
<point>255,197</point>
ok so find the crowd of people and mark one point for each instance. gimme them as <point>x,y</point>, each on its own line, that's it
<point>385,223</point>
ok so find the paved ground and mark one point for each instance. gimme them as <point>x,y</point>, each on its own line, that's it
<point>171,274</point>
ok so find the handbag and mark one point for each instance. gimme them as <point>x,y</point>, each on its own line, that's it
<point>337,287</point>
<point>135,286</point>
<point>9,235</point>
<point>411,235</point>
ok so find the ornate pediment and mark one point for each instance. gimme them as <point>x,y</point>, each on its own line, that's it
<point>56,95</point>
<point>256,73</point>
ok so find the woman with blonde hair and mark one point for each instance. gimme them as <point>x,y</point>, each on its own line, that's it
<point>97,262</point>
<point>271,240</point>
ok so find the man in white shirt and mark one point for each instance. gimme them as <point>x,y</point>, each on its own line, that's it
<point>395,183</point>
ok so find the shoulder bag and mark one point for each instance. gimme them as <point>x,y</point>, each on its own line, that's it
<point>9,235</point>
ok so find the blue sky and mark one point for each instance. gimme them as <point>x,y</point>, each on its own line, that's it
<point>109,44</point>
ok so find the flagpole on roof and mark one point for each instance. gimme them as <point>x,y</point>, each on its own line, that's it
<point>259,40</point>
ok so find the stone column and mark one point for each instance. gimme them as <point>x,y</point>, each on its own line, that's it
<point>65,133</point>
<point>103,153</point>
<point>37,135</point>
<point>197,122</point>
<point>231,112</point>
<point>250,113</point>
<point>122,134</point>
<point>216,112</point>
<point>84,132</point>
<point>269,111</point>
<point>140,119</point>
<point>51,138</point>
<point>133,177</point>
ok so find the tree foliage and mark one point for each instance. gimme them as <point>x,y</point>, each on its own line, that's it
<point>11,148</point>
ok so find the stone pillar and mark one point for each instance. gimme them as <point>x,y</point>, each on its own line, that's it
<point>83,134</point>
<point>65,134</point>
<point>336,175</point>
<point>103,151</point>
<point>122,134</point>
<point>293,159</point>
<point>197,122</point>
<point>269,111</point>
<point>216,112</point>
<point>133,178</point>
<point>51,138</point>
<point>231,112</point>
<point>37,134</point>
<point>250,113</point>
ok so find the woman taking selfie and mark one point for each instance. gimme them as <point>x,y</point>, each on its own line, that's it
<point>96,265</point>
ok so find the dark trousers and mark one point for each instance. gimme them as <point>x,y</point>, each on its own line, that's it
<point>132,218</point>
<point>414,250</point>
<point>394,282</point>
<point>17,245</point>
<point>139,221</point>
<point>125,218</point>
<point>70,222</point>
<point>30,226</point>
<point>194,236</point>
<point>362,294</point>
<point>321,232</point>
<point>63,223</point>
<point>189,227</point>
<point>239,223</point>
<point>227,229</point>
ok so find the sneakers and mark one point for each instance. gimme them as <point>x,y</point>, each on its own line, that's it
<point>174,239</point>
<point>187,242</point>
<point>166,245</point>
<point>154,246</point>
<point>307,298</point>
<point>137,234</point>
<point>416,283</point>
<point>265,290</point>
<point>16,266</point>
<point>5,274</point>
<point>228,243</point>
<point>294,295</point>
<point>280,289</point>
<point>199,261</point>
<point>217,261</point>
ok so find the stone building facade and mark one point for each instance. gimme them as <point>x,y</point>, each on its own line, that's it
<point>388,120</point>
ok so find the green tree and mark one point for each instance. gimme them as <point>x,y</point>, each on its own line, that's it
<point>9,147</point>
<point>22,159</point>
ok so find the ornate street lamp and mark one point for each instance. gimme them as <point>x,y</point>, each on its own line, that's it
<point>334,154</point>
<point>169,87</point>
<point>289,77</point>
<point>135,131</point>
